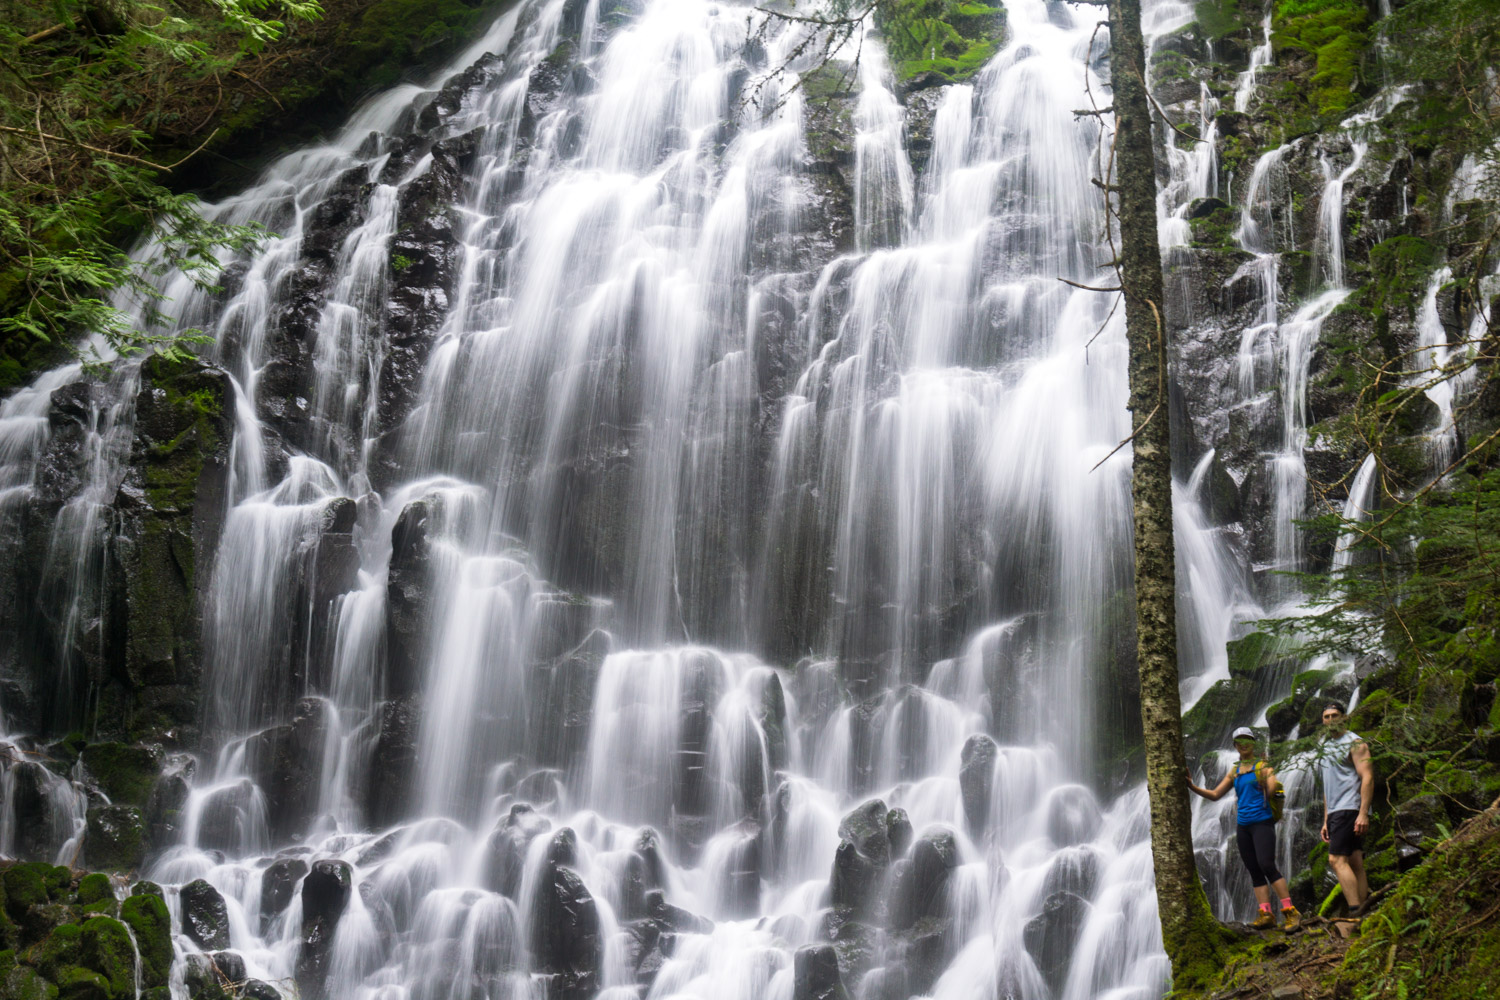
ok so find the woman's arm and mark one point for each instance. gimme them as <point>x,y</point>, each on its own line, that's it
<point>1272,782</point>
<point>1215,794</point>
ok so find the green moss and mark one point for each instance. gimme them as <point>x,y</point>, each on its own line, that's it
<point>1220,709</point>
<point>1332,32</point>
<point>1218,18</point>
<point>33,883</point>
<point>83,984</point>
<point>950,39</point>
<point>393,35</point>
<point>126,773</point>
<point>22,983</point>
<point>93,888</point>
<point>116,839</point>
<point>1247,655</point>
<point>147,917</point>
<point>62,950</point>
<point>107,950</point>
<point>1216,229</point>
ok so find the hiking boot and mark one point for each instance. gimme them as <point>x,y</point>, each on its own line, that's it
<point>1263,922</point>
<point>1291,920</point>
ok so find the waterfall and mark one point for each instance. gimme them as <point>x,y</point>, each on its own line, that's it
<point>668,527</point>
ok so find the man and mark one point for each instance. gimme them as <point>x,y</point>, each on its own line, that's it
<point>1348,790</point>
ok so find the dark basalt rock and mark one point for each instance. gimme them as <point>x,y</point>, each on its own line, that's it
<point>565,934</point>
<point>898,828</point>
<point>393,766</point>
<point>976,776</point>
<point>740,886</point>
<point>31,811</point>
<point>116,838</point>
<point>815,974</point>
<point>205,917</point>
<point>325,897</point>
<point>165,804</point>
<point>408,610</point>
<point>278,884</point>
<point>860,863</point>
<point>675,918</point>
<point>1072,815</point>
<point>1050,936</point>
<point>1416,823</point>
<point>287,763</point>
<point>866,828</point>
<point>918,882</point>
<point>508,845</point>
<point>170,507</point>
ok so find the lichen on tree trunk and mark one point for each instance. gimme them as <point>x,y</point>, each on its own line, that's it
<point>1193,939</point>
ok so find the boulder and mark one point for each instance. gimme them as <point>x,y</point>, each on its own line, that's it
<point>408,597</point>
<point>287,763</point>
<point>205,917</point>
<point>393,765</point>
<point>1072,816</point>
<point>116,838</point>
<point>147,917</point>
<point>976,775</point>
<point>918,882</point>
<point>1050,935</point>
<point>675,918</point>
<point>123,772</point>
<point>815,974</point>
<point>508,844</point>
<point>565,934</point>
<point>278,884</point>
<point>325,896</point>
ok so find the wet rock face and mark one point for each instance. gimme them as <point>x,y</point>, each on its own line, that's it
<point>409,597</point>
<point>815,974</point>
<point>170,503</point>
<point>278,884</point>
<point>918,882</point>
<point>565,928</point>
<point>32,811</point>
<point>508,845</point>
<point>325,896</point>
<point>116,838</point>
<point>287,763</point>
<point>862,860</point>
<point>976,777</point>
<point>393,766</point>
<point>205,917</point>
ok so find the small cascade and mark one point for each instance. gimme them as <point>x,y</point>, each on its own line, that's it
<point>1429,363</point>
<point>1260,57</point>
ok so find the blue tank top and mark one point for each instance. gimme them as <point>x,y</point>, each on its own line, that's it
<point>1250,804</point>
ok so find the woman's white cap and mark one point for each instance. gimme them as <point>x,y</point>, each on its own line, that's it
<point>1244,732</point>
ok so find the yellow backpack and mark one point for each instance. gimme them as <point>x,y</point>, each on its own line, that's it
<point>1277,802</point>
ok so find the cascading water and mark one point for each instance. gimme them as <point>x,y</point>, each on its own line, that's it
<point>632,574</point>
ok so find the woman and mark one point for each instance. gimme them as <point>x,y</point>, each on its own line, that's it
<point>1255,785</point>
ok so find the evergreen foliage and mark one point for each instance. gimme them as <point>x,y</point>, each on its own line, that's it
<point>81,100</point>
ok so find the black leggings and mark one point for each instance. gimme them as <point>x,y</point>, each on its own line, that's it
<point>1258,850</point>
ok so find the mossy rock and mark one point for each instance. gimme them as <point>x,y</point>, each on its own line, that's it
<point>147,917</point>
<point>93,888</point>
<point>1249,654</point>
<point>34,882</point>
<point>22,983</point>
<point>1218,712</point>
<point>83,984</point>
<point>107,950</point>
<point>125,773</point>
<point>62,950</point>
<point>116,838</point>
<point>940,41</point>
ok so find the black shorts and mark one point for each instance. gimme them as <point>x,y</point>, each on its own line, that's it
<point>1342,840</point>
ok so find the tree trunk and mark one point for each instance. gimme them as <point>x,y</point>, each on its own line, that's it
<point>1192,937</point>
